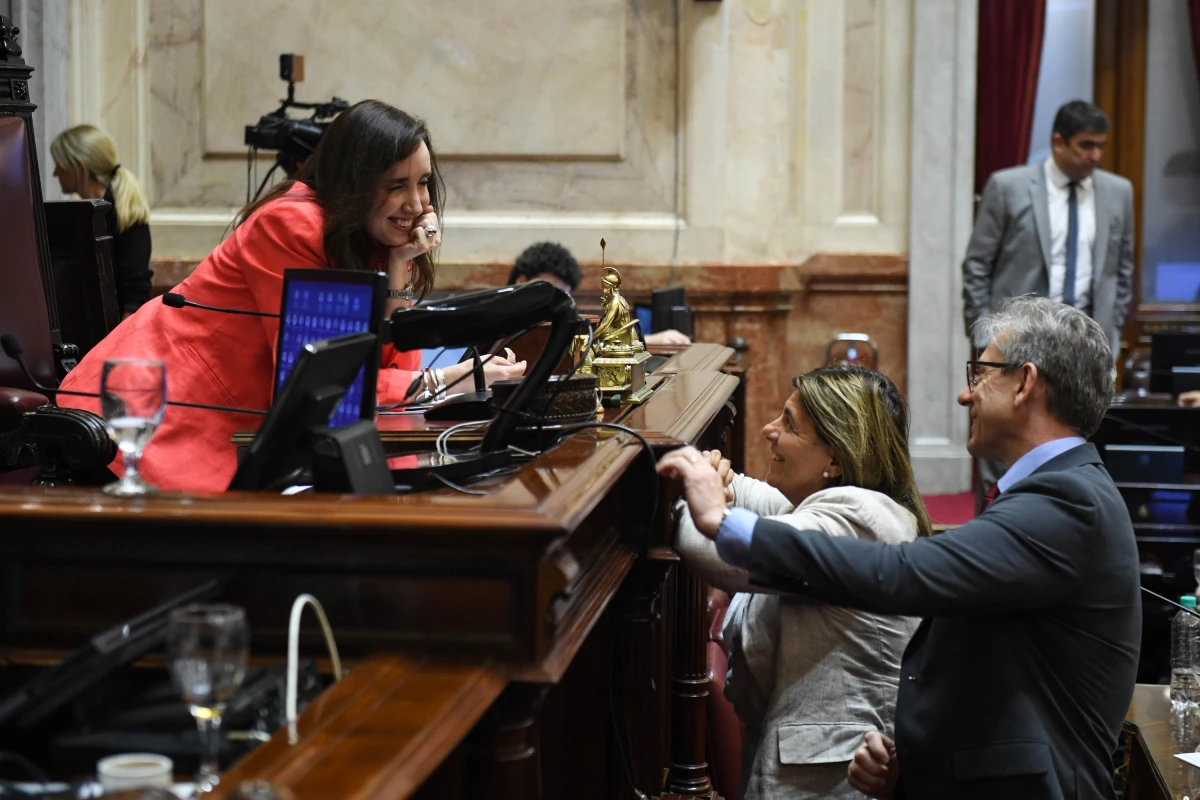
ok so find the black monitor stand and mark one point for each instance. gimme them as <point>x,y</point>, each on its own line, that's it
<point>295,440</point>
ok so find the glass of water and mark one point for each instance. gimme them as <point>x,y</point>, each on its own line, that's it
<point>133,397</point>
<point>207,649</point>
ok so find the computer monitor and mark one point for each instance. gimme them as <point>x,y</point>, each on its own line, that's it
<point>1171,349</point>
<point>320,304</point>
<point>320,377</point>
<point>663,302</point>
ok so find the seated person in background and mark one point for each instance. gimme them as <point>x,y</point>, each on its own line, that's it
<point>368,199</point>
<point>553,263</point>
<point>809,680</point>
<point>86,164</point>
<point>1190,399</point>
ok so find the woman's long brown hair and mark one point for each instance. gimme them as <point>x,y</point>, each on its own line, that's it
<point>346,173</point>
<point>863,418</point>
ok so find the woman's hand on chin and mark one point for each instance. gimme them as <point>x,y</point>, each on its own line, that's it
<point>421,242</point>
<point>702,487</point>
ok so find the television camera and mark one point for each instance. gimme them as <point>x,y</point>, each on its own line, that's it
<point>294,140</point>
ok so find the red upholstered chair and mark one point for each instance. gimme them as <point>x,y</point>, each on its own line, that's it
<point>62,441</point>
<point>724,735</point>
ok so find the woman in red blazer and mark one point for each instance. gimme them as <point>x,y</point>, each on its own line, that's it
<point>368,199</point>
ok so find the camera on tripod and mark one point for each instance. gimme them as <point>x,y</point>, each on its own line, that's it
<point>294,140</point>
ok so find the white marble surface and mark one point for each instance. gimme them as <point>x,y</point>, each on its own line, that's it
<point>44,40</point>
<point>794,134</point>
<point>502,78</point>
<point>943,162</point>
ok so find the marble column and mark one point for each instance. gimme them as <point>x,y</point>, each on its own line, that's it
<point>940,219</point>
<point>44,39</point>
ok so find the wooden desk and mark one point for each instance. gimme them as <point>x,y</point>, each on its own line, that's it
<point>493,634</point>
<point>1152,738</point>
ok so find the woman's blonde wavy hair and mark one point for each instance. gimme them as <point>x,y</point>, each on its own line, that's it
<point>861,415</point>
<point>91,148</point>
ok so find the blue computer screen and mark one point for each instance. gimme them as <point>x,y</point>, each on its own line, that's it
<point>317,310</point>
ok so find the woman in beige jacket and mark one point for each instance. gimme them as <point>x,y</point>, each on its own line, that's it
<point>810,680</point>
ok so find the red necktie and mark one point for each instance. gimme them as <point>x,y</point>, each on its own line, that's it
<point>990,495</point>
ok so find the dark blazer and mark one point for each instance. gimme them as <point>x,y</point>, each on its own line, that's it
<point>131,261</point>
<point>1019,677</point>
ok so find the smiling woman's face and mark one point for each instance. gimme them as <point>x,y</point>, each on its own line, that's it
<point>403,196</point>
<point>799,458</point>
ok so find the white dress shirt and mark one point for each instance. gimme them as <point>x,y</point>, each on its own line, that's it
<point>1085,199</point>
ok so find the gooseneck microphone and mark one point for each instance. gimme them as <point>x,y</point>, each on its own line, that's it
<point>175,300</point>
<point>14,350</point>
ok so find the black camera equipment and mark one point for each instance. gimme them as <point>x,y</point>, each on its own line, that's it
<point>293,139</point>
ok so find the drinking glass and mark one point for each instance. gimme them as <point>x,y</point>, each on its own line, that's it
<point>207,648</point>
<point>133,397</point>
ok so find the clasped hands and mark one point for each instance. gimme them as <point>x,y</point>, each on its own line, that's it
<point>707,484</point>
<point>707,479</point>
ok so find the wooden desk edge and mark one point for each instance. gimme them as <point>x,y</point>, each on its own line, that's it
<point>436,704</point>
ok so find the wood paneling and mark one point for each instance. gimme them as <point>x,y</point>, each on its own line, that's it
<point>493,628</point>
<point>1120,91</point>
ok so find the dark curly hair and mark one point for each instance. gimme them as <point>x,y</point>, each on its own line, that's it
<point>547,257</point>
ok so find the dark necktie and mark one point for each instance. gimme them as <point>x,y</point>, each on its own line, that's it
<point>1072,244</point>
<point>990,495</point>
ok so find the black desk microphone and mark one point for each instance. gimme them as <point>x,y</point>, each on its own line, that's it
<point>14,350</point>
<point>175,300</point>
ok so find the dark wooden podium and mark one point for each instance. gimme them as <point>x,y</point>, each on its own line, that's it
<point>540,641</point>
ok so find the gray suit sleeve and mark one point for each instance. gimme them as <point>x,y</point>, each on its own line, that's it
<point>1125,267</point>
<point>1031,550</point>
<point>982,252</point>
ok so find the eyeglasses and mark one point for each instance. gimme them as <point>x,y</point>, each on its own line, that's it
<point>973,369</point>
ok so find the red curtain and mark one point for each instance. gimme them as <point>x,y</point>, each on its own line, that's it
<point>1194,23</point>
<point>1010,52</point>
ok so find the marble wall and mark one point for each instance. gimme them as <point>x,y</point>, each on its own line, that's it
<point>768,134</point>
<point>742,131</point>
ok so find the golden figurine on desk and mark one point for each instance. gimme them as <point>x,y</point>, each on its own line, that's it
<point>617,357</point>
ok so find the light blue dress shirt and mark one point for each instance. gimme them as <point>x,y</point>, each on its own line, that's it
<point>1024,466</point>
<point>737,529</point>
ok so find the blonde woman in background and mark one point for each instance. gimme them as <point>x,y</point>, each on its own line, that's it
<point>810,680</point>
<point>86,164</point>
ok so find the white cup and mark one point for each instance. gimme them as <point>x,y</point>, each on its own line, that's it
<point>134,771</point>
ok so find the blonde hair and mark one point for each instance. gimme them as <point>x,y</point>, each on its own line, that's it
<point>861,415</point>
<point>91,148</point>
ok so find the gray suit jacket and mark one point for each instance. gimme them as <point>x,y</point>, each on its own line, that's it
<point>1018,680</point>
<point>1009,252</point>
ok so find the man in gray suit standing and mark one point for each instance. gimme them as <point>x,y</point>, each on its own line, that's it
<point>1061,229</point>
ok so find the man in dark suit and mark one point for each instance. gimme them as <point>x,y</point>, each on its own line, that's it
<point>1018,679</point>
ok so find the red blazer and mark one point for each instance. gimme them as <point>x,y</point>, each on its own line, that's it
<point>223,359</point>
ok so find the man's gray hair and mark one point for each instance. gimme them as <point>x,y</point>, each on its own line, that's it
<point>1068,347</point>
